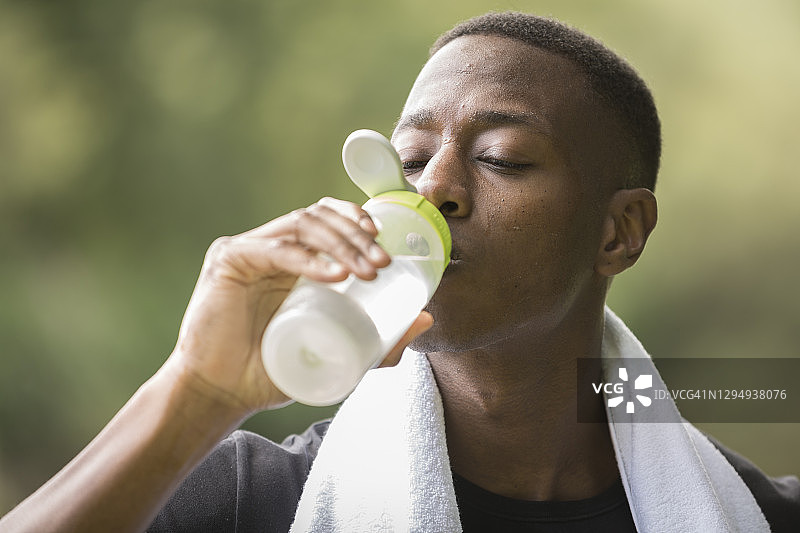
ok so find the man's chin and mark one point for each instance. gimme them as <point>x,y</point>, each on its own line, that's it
<point>437,339</point>
<point>422,345</point>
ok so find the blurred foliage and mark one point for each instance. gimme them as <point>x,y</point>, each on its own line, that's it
<point>133,134</point>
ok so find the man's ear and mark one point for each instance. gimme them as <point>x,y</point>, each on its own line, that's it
<point>631,216</point>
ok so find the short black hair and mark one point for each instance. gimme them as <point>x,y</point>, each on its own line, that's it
<point>610,76</point>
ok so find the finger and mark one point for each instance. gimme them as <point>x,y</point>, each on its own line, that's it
<point>284,225</point>
<point>251,259</point>
<point>353,211</point>
<point>349,220</point>
<point>346,218</point>
<point>317,236</point>
<point>421,324</point>
<point>324,230</point>
<point>299,260</point>
<point>339,229</point>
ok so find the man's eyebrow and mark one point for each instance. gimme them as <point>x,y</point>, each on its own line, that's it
<point>419,120</point>
<point>424,119</point>
<point>495,118</point>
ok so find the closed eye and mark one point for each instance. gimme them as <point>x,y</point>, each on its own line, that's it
<point>502,164</point>
<point>410,167</point>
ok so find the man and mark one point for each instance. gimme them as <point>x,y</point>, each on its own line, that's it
<point>541,149</point>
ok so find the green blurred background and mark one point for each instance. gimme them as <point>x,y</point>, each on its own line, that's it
<point>134,133</point>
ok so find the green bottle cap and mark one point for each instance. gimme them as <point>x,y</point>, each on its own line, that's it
<point>426,210</point>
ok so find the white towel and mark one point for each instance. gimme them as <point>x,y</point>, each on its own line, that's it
<point>383,465</point>
<point>675,479</point>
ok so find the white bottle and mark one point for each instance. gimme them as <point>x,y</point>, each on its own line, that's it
<point>325,336</point>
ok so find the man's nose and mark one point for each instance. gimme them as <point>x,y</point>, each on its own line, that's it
<point>445,182</point>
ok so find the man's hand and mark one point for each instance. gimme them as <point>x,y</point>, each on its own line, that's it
<point>246,277</point>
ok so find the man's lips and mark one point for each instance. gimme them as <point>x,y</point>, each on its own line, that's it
<point>455,253</point>
<point>455,257</point>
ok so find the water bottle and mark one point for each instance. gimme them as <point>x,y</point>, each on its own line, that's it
<point>325,336</point>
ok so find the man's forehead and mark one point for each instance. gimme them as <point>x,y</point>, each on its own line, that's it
<point>493,79</point>
<point>479,56</point>
<point>499,59</point>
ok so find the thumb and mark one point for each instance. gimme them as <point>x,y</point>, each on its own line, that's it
<point>421,324</point>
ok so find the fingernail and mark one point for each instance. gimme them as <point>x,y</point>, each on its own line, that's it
<point>366,224</point>
<point>376,253</point>
<point>364,264</point>
<point>334,268</point>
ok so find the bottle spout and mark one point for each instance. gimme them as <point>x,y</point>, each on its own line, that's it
<point>373,164</point>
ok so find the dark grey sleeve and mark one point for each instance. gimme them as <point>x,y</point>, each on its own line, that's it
<point>248,483</point>
<point>778,497</point>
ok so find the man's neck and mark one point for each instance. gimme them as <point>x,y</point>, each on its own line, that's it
<point>511,418</point>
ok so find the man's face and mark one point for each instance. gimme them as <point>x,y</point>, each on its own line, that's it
<point>509,142</point>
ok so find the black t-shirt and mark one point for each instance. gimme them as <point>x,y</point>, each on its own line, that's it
<point>483,511</point>
<point>249,483</point>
